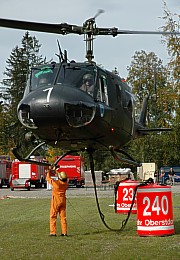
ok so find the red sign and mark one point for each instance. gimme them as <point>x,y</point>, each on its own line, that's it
<point>154,210</point>
<point>124,198</point>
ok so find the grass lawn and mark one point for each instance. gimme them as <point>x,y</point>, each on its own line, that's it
<point>24,227</point>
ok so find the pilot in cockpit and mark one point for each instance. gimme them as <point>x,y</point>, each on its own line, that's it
<point>88,84</point>
<point>43,81</point>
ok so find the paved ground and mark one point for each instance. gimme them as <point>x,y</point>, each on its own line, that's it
<point>71,192</point>
<point>44,193</point>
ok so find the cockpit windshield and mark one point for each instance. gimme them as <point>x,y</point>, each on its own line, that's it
<point>81,76</point>
<point>77,75</point>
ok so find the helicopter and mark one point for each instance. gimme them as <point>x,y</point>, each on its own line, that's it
<point>80,106</point>
<point>60,112</point>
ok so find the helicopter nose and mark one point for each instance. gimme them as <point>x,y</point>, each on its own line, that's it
<point>57,106</point>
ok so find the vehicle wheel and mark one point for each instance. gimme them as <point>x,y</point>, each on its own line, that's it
<point>168,182</point>
<point>37,185</point>
<point>29,188</point>
<point>12,189</point>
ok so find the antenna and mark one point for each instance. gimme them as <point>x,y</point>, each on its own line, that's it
<point>60,52</point>
<point>62,57</point>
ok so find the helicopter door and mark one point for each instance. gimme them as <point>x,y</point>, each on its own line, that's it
<point>103,89</point>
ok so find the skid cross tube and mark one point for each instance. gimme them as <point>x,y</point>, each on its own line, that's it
<point>27,158</point>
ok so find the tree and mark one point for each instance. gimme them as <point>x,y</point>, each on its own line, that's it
<point>172,43</point>
<point>18,66</point>
<point>149,77</point>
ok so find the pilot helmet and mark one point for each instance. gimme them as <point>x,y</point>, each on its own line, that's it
<point>88,77</point>
<point>43,81</point>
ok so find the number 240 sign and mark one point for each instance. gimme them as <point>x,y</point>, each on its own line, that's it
<point>159,205</point>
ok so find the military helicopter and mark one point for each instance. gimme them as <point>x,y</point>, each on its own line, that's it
<point>60,107</point>
<point>79,105</point>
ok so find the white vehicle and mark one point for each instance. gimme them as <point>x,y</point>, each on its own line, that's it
<point>120,174</point>
<point>146,171</point>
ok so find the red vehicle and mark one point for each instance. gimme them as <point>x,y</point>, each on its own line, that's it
<point>24,175</point>
<point>5,170</point>
<point>74,168</point>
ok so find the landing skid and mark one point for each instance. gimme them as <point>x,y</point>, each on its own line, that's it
<point>130,161</point>
<point>27,158</point>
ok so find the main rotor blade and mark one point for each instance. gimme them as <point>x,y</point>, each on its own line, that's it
<point>62,28</point>
<point>146,32</point>
<point>115,32</point>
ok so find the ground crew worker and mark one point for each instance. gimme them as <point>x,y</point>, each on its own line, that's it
<point>58,201</point>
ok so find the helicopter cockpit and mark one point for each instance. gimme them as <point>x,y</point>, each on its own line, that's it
<point>76,75</point>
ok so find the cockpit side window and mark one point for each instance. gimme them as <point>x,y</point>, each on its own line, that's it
<point>118,93</point>
<point>102,92</point>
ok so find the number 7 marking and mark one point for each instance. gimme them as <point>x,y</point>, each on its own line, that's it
<point>48,94</point>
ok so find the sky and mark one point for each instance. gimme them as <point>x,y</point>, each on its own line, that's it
<point>109,51</point>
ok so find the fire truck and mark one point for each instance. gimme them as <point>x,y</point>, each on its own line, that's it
<point>26,175</point>
<point>74,168</point>
<point>5,170</point>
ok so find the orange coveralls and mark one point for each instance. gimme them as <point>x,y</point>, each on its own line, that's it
<point>58,204</point>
